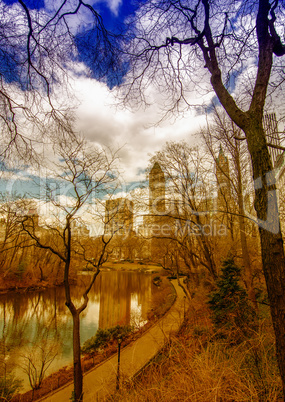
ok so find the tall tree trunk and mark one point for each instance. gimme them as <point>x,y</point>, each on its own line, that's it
<point>250,122</point>
<point>272,250</point>
<point>248,277</point>
<point>77,369</point>
<point>206,247</point>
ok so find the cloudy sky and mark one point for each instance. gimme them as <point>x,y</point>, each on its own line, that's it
<point>135,132</point>
<point>102,120</point>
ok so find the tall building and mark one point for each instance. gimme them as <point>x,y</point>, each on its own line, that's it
<point>223,180</point>
<point>225,205</point>
<point>280,182</point>
<point>119,216</point>
<point>270,126</point>
<point>156,190</point>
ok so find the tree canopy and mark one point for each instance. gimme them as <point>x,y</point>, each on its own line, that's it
<point>178,45</point>
<point>40,47</point>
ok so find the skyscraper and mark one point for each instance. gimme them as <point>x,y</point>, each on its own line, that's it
<point>156,190</point>
<point>119,216</point>
<point>223,179</point>
<point>271,130</point>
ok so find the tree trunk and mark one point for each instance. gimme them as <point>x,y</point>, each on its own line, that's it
<point>272,250</point>
<point>250,122</point>
<point>206,247</point>
<point>248,277</point>
<point>77,369</point>
<point>274,272</point>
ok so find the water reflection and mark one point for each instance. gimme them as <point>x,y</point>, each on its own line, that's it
<point>32,318</point>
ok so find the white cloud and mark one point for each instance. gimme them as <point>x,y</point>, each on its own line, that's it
<point>114,5</point>
<point>101,122</point>
<point>12,176</point>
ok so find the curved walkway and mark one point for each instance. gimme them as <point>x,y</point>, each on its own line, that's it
<point>101,381</point>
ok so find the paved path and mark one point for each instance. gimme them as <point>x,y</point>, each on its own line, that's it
<point>101,381</point>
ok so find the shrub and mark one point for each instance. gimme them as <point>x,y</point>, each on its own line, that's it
<point>157,280</point>
<point>231,310</point>
<point>20,270</point>
<point>37,360</point>
<point>9,386</point>
<point>104,336</point>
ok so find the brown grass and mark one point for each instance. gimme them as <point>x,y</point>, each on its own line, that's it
<point>196,366</point>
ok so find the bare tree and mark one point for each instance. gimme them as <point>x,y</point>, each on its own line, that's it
<point>36,361</point>
<point>189,201</point>
<point>13,243</point>
<point>173,41</point>
<point>87,174</point>
<point>224,133</point>
<point>39,47</point>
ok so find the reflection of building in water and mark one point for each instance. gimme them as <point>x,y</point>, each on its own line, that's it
<point>31,318</point>
<point>117,295</point>
<point>115,302</point>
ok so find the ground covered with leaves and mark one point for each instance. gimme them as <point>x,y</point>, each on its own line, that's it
<point>225,351</point>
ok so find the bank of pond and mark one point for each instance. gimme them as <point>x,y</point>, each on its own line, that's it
<point>37,326</point>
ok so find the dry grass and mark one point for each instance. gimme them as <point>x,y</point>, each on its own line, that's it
<point>198,367</point>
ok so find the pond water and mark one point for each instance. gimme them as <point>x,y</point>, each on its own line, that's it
<point>33,322</point>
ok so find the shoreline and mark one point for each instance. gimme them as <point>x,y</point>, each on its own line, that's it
<point>38,286</point>
<point>34,286</point>
<point>64,375</point>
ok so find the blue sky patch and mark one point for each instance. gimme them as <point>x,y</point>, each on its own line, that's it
<point>31,4</point>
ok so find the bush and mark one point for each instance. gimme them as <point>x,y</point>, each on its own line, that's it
<point>9,386</point>
<point>157,280</point>
<point>20,270</point>
<point>104,336</point>
<point>231,311</point>
<point>35,361</point>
